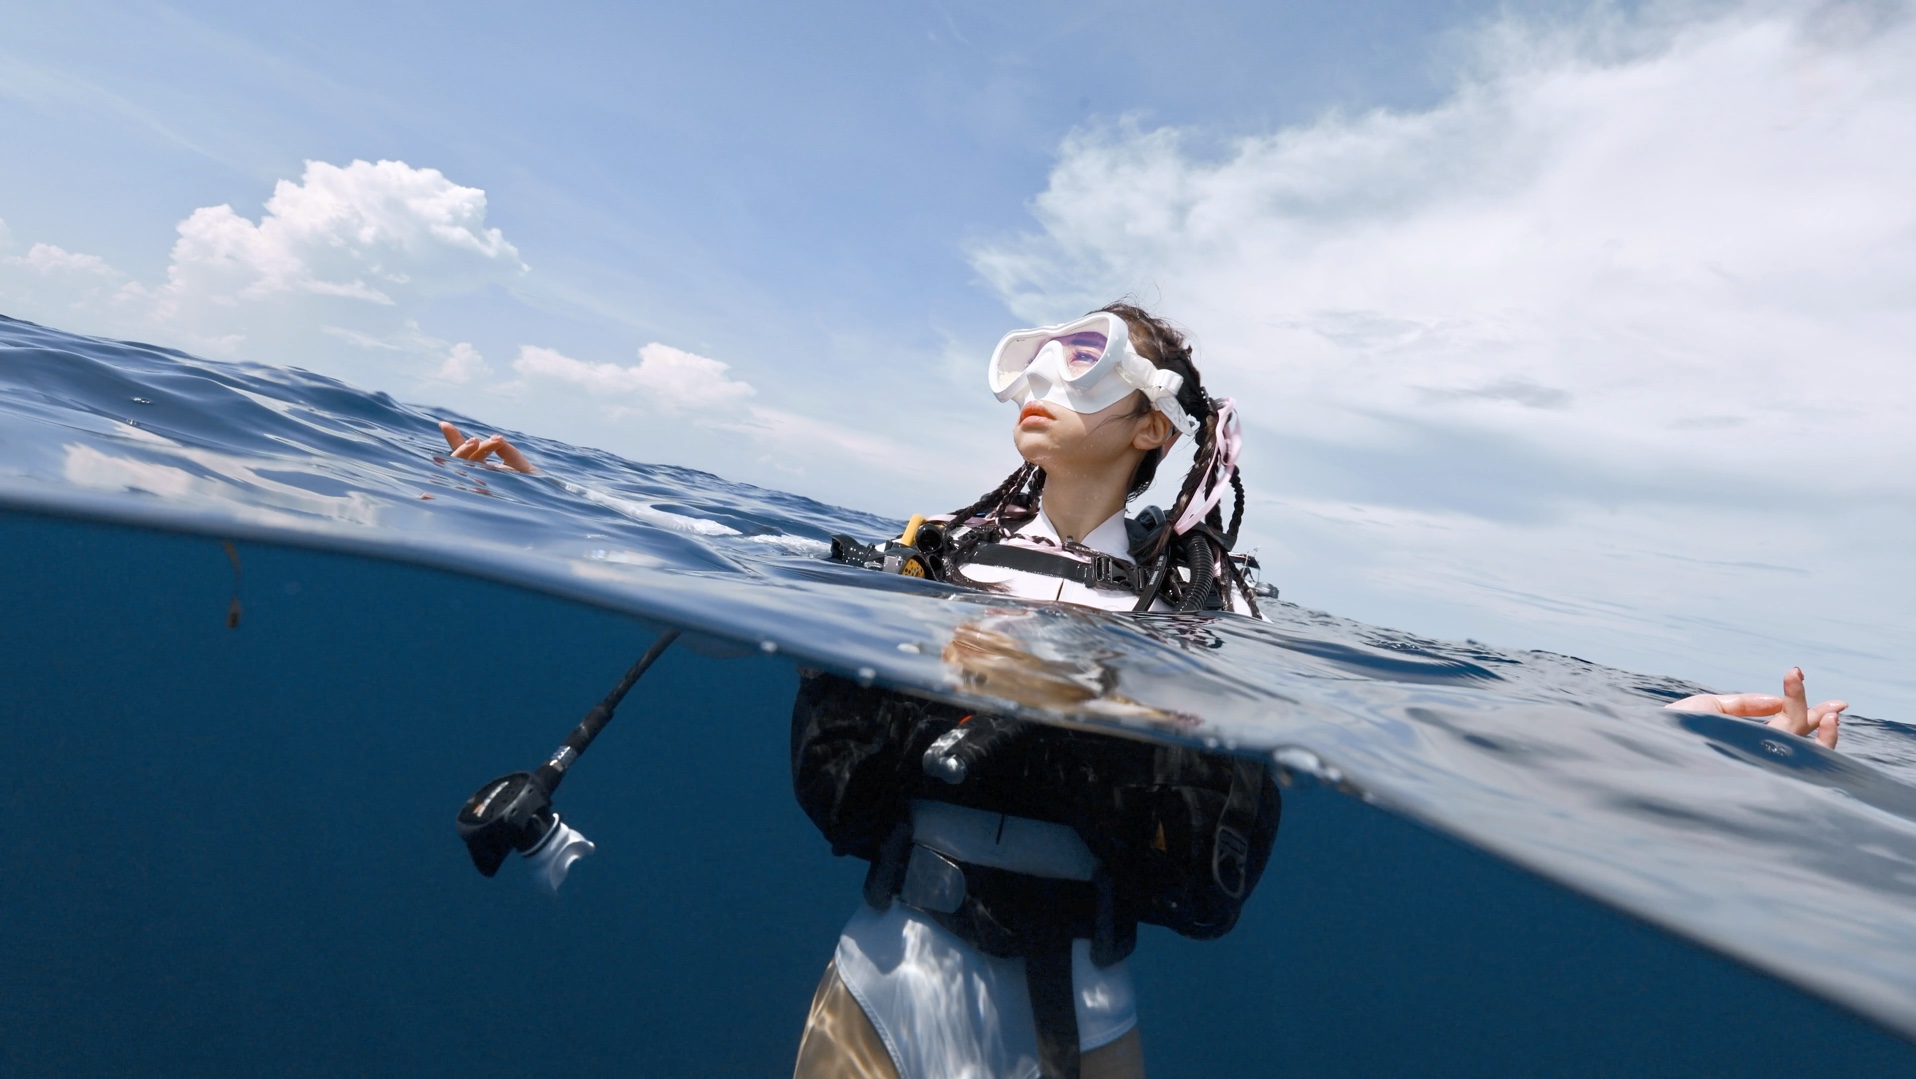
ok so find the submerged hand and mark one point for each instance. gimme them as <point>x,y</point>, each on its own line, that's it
<point>476,449</point>
<point>1792,711</point>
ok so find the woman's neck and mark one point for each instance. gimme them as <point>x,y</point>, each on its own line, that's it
<point>1077,505</point>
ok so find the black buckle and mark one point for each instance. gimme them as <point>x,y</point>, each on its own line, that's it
<point>1111,573</point>
<point>853,553</point>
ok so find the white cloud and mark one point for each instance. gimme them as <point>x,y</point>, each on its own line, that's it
<point>674,381</point>
<point>55,279</point>
<point>363,232</point>
<point>669,378</point>
<point>343,254</point>
<point>50,260</point>
<point>682,379</point>
<point>463,363</point>
<point>1631,242</point>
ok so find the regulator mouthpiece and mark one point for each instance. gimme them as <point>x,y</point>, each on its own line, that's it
<point>553,857</point>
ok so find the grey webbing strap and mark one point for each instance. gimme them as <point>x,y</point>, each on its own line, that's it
<point>887,872</point>
<point>1102,571</point>
<point>1231,845</point>
<point>1053,1007</point>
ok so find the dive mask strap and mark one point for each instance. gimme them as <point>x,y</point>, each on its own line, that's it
<point>1159,385</point>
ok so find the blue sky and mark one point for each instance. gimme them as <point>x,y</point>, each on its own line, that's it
<point>1564,326</point>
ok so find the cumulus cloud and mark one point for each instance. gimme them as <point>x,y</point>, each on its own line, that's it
<point>669,378</point>
<point>52,278</point>
<point>344,254</point>
<point>364,232</point>
<point>462,364</point>
<point>672,381</point>
<point>1631,242</point>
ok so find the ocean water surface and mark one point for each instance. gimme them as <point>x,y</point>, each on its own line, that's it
<point>262,637</point>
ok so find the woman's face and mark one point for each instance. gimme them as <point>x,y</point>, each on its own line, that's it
<point>1060,440</point>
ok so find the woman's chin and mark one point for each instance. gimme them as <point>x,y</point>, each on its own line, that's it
<point>1034,443</point>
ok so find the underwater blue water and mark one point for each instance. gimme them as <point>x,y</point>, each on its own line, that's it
<point>231,848</point>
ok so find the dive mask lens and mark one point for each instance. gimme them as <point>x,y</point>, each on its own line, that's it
<point>1081,352</point>
<point>1068,354</point>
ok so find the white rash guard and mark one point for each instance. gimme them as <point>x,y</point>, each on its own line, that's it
<point>1108,538</point>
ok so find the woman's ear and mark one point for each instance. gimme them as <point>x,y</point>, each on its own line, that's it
<point>1155,433</point>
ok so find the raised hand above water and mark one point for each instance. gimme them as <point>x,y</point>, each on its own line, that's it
<point>476,449</point>
<point>1791,712</point>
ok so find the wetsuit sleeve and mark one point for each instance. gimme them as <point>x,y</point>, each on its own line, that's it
<point>855,757</point>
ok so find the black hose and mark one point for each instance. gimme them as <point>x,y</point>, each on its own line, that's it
<point>552,772</point>
<point>1197,554</point>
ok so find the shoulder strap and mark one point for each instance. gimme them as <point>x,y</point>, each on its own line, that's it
<point>1102,571</point>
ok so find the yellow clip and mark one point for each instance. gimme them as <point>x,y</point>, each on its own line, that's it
<point>912,567</point>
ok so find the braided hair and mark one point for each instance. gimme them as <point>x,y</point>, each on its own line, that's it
<point>1016,499</point>
<point>1204,551</point>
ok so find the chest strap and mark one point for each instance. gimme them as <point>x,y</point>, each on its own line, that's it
<point>1101,571</point>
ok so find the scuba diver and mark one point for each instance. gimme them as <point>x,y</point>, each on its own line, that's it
<point>1012,862</point>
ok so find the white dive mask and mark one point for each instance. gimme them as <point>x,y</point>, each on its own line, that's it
<point>1085,366</point>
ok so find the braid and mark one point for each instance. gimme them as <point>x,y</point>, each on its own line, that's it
<point>1207,447</point>
<point>1035,491</point>
<point>1237,509</point>
<point>994,498</point>
<point>991,507</point>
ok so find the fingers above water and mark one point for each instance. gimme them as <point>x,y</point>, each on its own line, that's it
<point>510,456</point>
<point>476,449</point>
<point>1795,717</point>
<point>1827,726</point>
<point>1747,705</point>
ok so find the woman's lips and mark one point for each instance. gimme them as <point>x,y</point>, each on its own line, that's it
<point>1034,409</point>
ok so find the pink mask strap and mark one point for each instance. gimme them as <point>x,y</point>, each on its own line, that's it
<point>1223,464</point>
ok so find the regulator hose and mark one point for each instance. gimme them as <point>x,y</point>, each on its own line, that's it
<point>1197,554</point>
